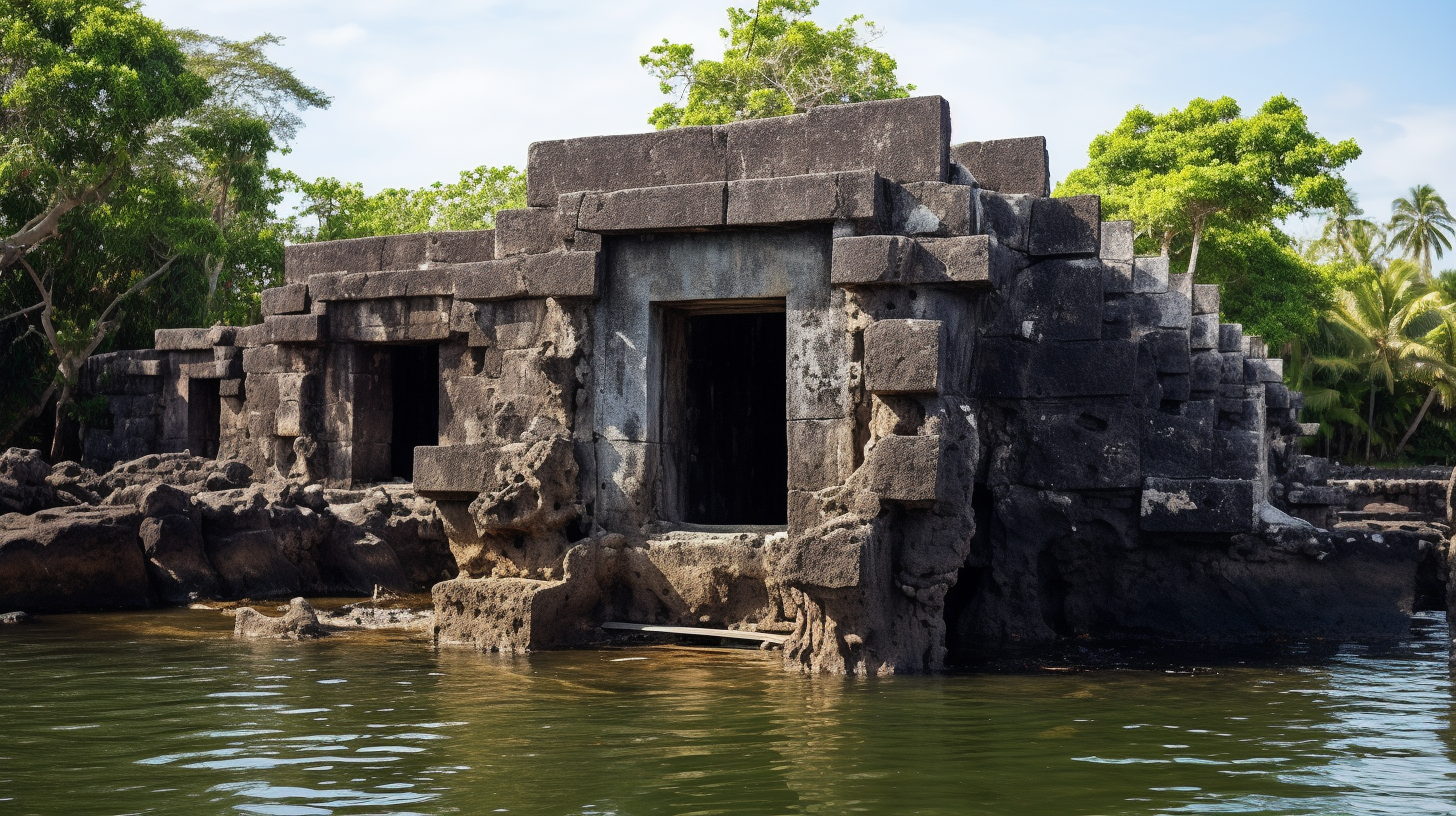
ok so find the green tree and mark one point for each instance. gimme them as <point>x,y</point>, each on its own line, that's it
<point>775,62</point>
<point>1386,321</point>
<point>342,210</point>
<point>1182,172</point>
<point>1421,224</point>
<point>1266,285</point>
<point>82,85</point>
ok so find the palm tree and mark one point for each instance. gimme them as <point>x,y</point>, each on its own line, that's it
<point>1341,225</point>
<point>1422,225</point>
<point>1440,373</point>
<point>1385,320</point>
<point>1366,244</point>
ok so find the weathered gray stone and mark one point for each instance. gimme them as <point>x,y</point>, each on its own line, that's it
<point>649,208</point>
<point>555,274</point>
<point>1230,337</point>
<point>1066,226</point>
<point>1007,217</point>
<point>1117,241</point>
<point>527,232</point>
<point>1203,331</point>
<point>466,246</point>
<point>300,622</point>
<point>404,251</point>
<point>1016,369</point>
<point>1007,165</point>
<point>1197,506</point>
<point>307,328</point>
<point>1150,275</point>
<point>1205,299</point>
<point>351,255</point>
<point>800,199</point>
<point>291,299</point>
<point>903,356</point>
<point>931,208</point>
<point>676,156</point>
<point>904,468</point>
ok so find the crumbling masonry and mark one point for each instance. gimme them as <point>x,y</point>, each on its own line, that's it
<point>825,375</point>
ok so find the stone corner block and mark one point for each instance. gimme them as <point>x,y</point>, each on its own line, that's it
<point>904,468</point>
<point>1198,505</point>
<point>903,356</point>
<point>289,299</point>
<point>1017,166</point>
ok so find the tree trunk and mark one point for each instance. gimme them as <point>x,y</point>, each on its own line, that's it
<point>62,426</point>
<point>1420,415</point>
<point>1370,423</point>
<point>1167,242</point>
<point>27,415</point>
<point>1197,239</point>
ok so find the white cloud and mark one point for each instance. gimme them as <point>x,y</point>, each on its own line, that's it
<point>338,36</point>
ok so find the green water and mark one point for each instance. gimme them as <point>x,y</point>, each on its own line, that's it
<point>166,713</point>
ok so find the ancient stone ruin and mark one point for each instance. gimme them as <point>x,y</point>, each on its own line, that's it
<point>829,376</point>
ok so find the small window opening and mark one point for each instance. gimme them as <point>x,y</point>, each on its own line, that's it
<point>204,417</point>
<point>415,393</point>
<point>734,435</point>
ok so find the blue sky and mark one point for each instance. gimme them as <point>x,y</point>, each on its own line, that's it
<point>424,90</point>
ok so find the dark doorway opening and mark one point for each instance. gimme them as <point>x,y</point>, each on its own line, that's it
<point>733,443</point>
<point>204,417</point>
<point>415,394</point>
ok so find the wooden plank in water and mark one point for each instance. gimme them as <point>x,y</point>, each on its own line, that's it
<point>693,630</point>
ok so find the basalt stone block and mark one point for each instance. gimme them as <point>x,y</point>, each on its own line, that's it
<point>488,280</point>
<point>968,260</point>
<point>290,299</point>
<point>904,468</point>
<point>227,362</point>
<point>1276,396</point>
<point>903,356</point>
<point>1197,505</point>
<point>349,255</point>
<point>798,199</point>
<point>672,207</point>
<point>1009,368</point>
<point>231,388</point>
<point>1263,370</point>
<point>870,259</point>
<point>1233,368</point>
<point>1205,299</point>
<point>1007,165</point>
<point>1169,310</point>
<point>833,462</point>
<point>1206,371</point>
<point>903,139</point>
<point>1176,387</point>
<point>1069,446</point>
<point>1118,276</point>
<point>182,339</point>
<point>466,246</point>
<point>404,251</point>
<point>1182,284</point>
<point>1116,318</point>
<point>1150,275</point>
<point>1054,300</point>
<point>261,360</point>
<point>678,156</point>
<point>307,328</point>
<point>1203,332</point>
<point>561,275</point>
<point>1237,454</point>
<point>931,208</point>
<point>1117,241</point>
<point>1007,217</point>
<point>1168,350</point>
<point>1066,226</point>
<point>1230,337</point>
<point>527,232</point>
<point>1179,446</point>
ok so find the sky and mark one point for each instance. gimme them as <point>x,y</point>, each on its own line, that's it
<point>423,90</point>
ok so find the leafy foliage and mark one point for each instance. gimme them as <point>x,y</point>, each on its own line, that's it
<point>342,210</point>
<point>1266,285</point>
<point>1422,225</point>
<point>775,62</point>
<point>1207,165</point>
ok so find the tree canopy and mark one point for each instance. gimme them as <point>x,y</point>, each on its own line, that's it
<point>1179,173</point>
<point>776,61</point>
<point>342,209</point>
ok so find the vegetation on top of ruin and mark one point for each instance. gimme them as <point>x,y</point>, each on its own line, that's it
<point>776,61</point>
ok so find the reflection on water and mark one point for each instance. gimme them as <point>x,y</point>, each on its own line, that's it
<point>166,713</point>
